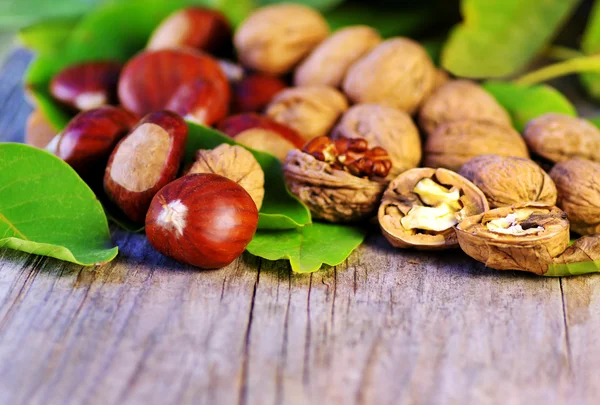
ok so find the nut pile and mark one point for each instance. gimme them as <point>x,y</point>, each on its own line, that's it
<point>366,129</point>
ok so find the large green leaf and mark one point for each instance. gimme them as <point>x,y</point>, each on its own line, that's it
<point>280,209</point>
<point>47,36</point>
<point>572,269</point>
<point>499,38</point>
<point>46,209</point>
<point>322,5</point>
<point>525,103</point>
<point>590,44</point>
<point>309,247</point>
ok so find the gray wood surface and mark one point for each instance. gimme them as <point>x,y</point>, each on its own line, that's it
<point>386,327</point>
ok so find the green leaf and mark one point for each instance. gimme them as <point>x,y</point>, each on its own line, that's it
<point>572,269</point>
<point>499,38</point>
<point>19,13</point>
<point>590,44</point>
<point>595,121</point>
<point>575,65</point>
<point>47,36</point>
<point>46,209</point>
<point>322,5</point>
<point>309,247</point>
<point>280,209</point>
<point>525,103</point>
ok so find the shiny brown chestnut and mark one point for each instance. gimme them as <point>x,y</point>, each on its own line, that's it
<point>144,161</point>
<point>205,220</point>
<point>87,85</point>
<point>199,101</point>
<point>254,92</point>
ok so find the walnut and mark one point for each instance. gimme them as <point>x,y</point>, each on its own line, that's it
<point>332,192</point>
<point>312,111</point>
<point>559,137</point>
<point>398,73</point>
<point>509,180</point>
<point>235,163</point>
<point>578,185</point>
<point>460,100</point>
<point>328,63</point>
<point>421,207</point>
<point>525,237</point>
<point>275,38</point>
<point>454,143</point>
<point>384,126</point>
<point>586,248</point>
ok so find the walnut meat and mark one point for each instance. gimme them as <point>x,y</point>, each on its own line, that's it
<point>559,137</point>
<point>275,38</point>
<point>509,180</point>
<point>398,72</point>
<point>527,237</point>
<point>328,63</point>
<point>235,163</point>
<point>421,206</point>
<point>384,126</point>
<point>460,100</point>
<point>578,185</point>
<point>454,143</point>
<point>312,110</point>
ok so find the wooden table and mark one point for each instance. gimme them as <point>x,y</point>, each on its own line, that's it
<point>386,327</point>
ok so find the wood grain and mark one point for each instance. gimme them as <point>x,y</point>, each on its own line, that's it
<point>386,327</point>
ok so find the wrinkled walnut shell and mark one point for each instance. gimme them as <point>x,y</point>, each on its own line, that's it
<point>460,100</point>
<point>578,185</point>
<point>398,72</point>
<point>586,248</point>
<point>531,253</point>
<point>312,111</point>
<point>454,143</point>
<point>509,180</point>
<point>275,38</point>
<point>400,197</point>
<point>384,126</point>
<point>559,137</point>
<point>331,194</point>
<point>328,63</point>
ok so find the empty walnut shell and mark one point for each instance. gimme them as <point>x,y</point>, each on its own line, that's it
<point>398,72</point>
<point>509,180</point>
<point>454,143</point>
<point>460,100</point>
<point>531,252</point>
<point>328,63</point>
<point>559,137</point>
<point>400,198</point>
<point>331,194</point>
<point>578,185</point>
<point>384,126</point>
<point>312,110</point>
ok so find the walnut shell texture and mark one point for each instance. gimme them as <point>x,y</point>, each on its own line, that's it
<point>312,110</point>
<point>460,100</point>
<point>328,63</point>
<point>275,38</point>
<point>559,137</point>
<point>398,72</point>
<point>237,164</point>
<point>384,126</point>
<point>507,180</point>
<point>578,185</point>
<point>400,197</point>
<point>586,248</point>
<point>331,194</point>
<point>454,143</point>
<point>533,252</point>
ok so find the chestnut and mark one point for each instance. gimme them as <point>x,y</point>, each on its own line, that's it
<point>196,27</point>
<point>87,85</point>
<point>199,101</point>
<point>205,220</point>
<point>255,91</point>
<point>150,80</point>
<point>144,161</point>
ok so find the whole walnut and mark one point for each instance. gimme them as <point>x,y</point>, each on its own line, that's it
<point>454,143</point>
<point>398,72</point>
<point>237,164</point>
<point>460,100</point>
<point>275,38</point>
<point>312,110</point>
<point>384,126</point>
<point>328,63</point>
<point>578,185</point>
<point>559,137</point>
<point>507,180</point>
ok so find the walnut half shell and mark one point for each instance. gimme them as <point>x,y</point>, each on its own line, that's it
<point>402,197</point>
